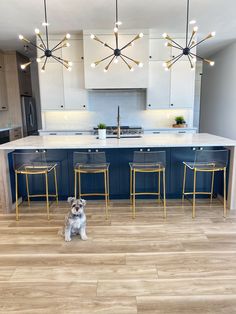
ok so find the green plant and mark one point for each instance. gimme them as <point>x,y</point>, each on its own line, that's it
<point>102,126</point>
<point>180,120</point>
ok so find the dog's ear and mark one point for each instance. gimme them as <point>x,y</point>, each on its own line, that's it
<point>70,200</point>
<point>83,201</point>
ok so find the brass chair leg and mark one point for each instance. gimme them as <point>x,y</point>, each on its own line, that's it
<point>184,182</point>
<point>16,187</point>
<point>212,184</point>
<point>164,191</point>
<point>225,206</point>
<point>47,197</point>
<point>194,192</point>
<point>27,189</point>
<point>55,182</point>
<point>106,200</point>
<point>79,184</point>
<point>159,187</point>
<point>134,209</point>
<point>131,186</point>
<point>108,187</point>
<point>75,182</point>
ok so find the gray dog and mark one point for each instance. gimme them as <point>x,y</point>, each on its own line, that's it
<point>75,220</point>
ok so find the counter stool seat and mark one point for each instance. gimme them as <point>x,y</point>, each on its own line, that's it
<point>206,161</point>
<point>34,164</point>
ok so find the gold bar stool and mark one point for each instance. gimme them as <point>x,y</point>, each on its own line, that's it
<point>148,162</point>
<point>206,161</point>
<point>34,164</point>
<point>91,163</point>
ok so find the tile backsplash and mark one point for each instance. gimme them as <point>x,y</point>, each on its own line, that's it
<point>102,107</point>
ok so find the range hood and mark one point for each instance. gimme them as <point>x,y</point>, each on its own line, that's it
<point>118,76</point>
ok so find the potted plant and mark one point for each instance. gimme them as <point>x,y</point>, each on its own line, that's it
<point>179,122</point>
<point>102,131</point>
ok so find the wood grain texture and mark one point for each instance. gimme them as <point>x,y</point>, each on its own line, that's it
<point>144,266</point>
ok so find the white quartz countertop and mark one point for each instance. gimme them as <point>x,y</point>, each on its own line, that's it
<point>90,141</point>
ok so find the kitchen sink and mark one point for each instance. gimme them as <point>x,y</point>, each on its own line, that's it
<point>124,136</point>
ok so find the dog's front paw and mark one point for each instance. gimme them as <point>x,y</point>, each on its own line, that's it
<point>84,237</point>
<point>67,239</point>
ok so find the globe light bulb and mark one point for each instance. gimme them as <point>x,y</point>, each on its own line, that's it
<point>92,36</point>
<point>70,63</point>
<point>105,70</point>
<point>36,31</point>
<point>38,60</point>
<point>140,35</point>
<point>42,70</point>
<point>45,24</point>
<point>213,34</point>
<point>131,69</point>
<point>67,44</point>
<point>164,64</point>
<point>115,29</point>
<point>69,69</point>
<point>167,69</point>
<point>212,63</point>
<point>192,22</point>
<point>166,44</point>
<point>164,35</point>
<point>68,36</point>
<point>192,68</point>
<point>118,23</point>
<point>93,65</point>
<point>195,28</point>
<point>21,37</point>
<point>22,66</point>
<point>140,65</point>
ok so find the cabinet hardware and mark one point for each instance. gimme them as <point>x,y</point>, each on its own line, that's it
<point>149,105</point>
<point>78,133</point>
<point>52,133</point>
<point>156,132</point>
<point>172,105</point>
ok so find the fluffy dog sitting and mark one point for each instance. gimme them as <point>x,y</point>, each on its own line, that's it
<point>75,220</point>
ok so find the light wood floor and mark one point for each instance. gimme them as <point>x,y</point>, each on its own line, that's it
<point>148,265</point>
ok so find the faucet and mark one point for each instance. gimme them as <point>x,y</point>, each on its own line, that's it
<point>118,123</point>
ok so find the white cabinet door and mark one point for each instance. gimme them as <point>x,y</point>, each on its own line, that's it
<point>158,93</point>
<point>182,85</point>
<point>74,92</point>
<point>73,53</point>
<point>118,75</point>
<point>3,91</point>
<point>158,51</point>
<point>52,87</point>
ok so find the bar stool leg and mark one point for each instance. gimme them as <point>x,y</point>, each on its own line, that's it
<point>212,184</point>
<point>47,197</point>
<point>75,182</point>
<point>164,191</point>
<point>159,186</point>
<point>225,206</point>
<point>106,199</point>
<point>184,182</point>
<point>108,187</point>
<point>131,186</point>
<point>79,184</point>
<point>134,193</point>
<point>16,187</point>
<point>27,188</point>
<point>55,181</point>
<point>194,192</point>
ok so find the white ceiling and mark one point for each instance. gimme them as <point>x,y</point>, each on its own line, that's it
<point>21,17</point>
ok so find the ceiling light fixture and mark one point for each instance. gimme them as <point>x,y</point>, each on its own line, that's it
<point>187,49</point>
<point>44,46</point>
<point>117,52</point>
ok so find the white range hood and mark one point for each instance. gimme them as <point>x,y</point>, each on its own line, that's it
<point>118,75</point>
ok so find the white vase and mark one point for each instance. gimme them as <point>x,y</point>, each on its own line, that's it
<point>102,134</point>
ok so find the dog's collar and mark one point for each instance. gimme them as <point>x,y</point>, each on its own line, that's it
<point>79,216</point>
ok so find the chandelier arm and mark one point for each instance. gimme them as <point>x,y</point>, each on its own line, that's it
<point>64,39</point>
<point>40,37</point>
<point>187,24</point>
<point>46,21</point>
<point>193,54</point>
<point>190,62</point>
<point>130,58</point>
<point>129,66</point>
<point>175,61</point>
<point>43,67</point>
<point>176,47</point>
<point>30,42</point>
<point>57,48</point>
<point>193,33</point>
<point>107,67</point>
<point>60,61</point>
<point>103,43</point>
<point>169,38</point>
<point>174,58</point>
<point>105,58</point>
<point>129,43</point>
<point>201,41</point>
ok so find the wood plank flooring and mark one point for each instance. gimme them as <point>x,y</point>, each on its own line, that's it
<point>148,265</point>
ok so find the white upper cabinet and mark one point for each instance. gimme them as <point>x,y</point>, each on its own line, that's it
<point>75,52</point>
<point>118,75</point>
<point>158,51</point>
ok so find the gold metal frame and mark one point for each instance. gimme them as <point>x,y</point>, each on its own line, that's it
<point>106,194</point>
<point>133,193</point>
<point>29,196</point>
<point>194,193</point>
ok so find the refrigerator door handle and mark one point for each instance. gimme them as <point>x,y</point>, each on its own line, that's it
<point>31,117</point>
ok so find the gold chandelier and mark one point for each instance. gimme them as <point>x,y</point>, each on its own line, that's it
<point>187,49</point>
<point>47,52</point>
<point>117,52</point>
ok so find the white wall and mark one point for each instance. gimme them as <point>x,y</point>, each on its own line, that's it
<point>103,108</point>
<point>218,97</point>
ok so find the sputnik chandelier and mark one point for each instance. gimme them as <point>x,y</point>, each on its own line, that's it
<point>117,52</point>
<point>47,52</point>
<point>187,49</point>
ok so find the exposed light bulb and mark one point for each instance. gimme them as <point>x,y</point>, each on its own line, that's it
<point>38,60</point>
<point>140,35</point>
<point>131,69</point>
<point>93,65</point>
<point>36,31</point>
<point>68,36</point>
<point>195,28</point>
<point>192,68</point>
<point>69,69</point>
<point>194,60</point>
<point>118,23</point>
<point>21,37</point>
<point>116,60</point>
<point>164,64</point>
<point>115,29</point>
<point>164,35</point>
<point>42,70</point>
<point>22,66</point>
<point>212,63</point>
<point>192,22</point>
<point>105,70</point>
<point>67,44</point>
<point>213,34</point>
<point>132,44</point>
<point>166,44</point>
<point>92,36</point>
<point>45,24</point>
<point>167,69</point>
<point>70,63</point>
<point>140,64</point>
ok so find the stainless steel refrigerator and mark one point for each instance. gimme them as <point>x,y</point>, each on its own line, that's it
<point>29,116</point>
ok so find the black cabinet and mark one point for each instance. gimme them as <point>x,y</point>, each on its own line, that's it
<point>24,76</point>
